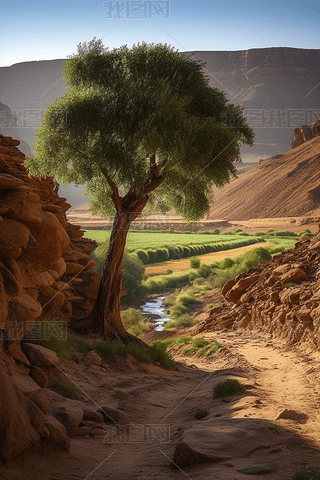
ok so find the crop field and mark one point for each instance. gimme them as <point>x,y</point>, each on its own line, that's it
<point>157,247</point>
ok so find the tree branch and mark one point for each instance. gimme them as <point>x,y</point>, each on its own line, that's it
<point>115,192</point>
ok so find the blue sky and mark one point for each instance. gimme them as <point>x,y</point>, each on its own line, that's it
<point>49,29</point>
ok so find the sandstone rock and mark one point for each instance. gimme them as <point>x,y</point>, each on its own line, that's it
<point>224,438</point>
<point>26,301</point>
<point>9,181</point>
<point>36,417</point>
<point>92,358</point>
<point>292,415</point>
<point>41,356</point>
<point>39,376</point>
<point>57,432</point>
<point>73,268</point>
<point>89,414</point>
<point>40,398</point>
<point>24,383</point>
<point>113,415</point>
<point>17,434</point>
<point>293,275</point>
<point>240,287</point>
<point>44,279</point>
<point>13,237</point>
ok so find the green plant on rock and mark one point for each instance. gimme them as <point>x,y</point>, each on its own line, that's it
<point>68,390</point>
<point>230,386</point>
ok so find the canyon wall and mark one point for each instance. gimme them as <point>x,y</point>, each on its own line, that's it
<point>45,271</point>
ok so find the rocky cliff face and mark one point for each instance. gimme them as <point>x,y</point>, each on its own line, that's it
<point>45,271</point>
<point>280,297</point>
<point>305,133</point>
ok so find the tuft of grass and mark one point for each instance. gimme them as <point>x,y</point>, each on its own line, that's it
<point>315,475</point>
<point>123,384</point>
<point>195,263</point>
<point>169,325</point>
<point>230,386</point>
<point>68,390</point>
<point>134,322</point>
<point>119,395</point>
<point>291,284</point>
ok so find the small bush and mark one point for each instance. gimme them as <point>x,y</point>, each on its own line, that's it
<point>185,321</point>
<point>226,263</point>
<point>195,263</point>
<point>306,476</point>
<point>230,386</point>
<point>134,322</point>
<point>169,325</point>
<point>68,390</point>
<point>204,271</point>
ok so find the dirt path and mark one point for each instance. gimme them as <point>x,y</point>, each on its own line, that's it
<point>184,264</point>
<point>165,404</point>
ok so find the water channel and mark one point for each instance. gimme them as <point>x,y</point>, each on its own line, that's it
<point>155,306</point>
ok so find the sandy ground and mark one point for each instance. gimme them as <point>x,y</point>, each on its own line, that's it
<point>275,378</point>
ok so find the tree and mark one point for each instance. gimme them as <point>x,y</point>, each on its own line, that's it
<point>135,121</point>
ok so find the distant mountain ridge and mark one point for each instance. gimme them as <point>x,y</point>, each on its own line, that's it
<point>278,87</point>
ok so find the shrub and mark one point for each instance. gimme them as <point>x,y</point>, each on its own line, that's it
<point>68,390</point>
<point>133,274</point>
<point>178,310</point>
<point>226,263</point>
<point>185,321</point>
<point>195,263</point>
<point>315,475</point>
<point>142,255</point>
<point>134,321</point>
<point>186,299</point>
<point>230,386</point>
<point>204,271</point>
<point>169,325</point>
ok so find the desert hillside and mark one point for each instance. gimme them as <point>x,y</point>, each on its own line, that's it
<point>282,186</point>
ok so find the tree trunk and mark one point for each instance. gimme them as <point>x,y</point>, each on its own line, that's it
<point>105,317</point>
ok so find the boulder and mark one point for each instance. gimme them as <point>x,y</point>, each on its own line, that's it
<point>293,275</point>
<point>41,356</point>
<point>225,438</point>
<point>40,398</point>
<point>9,181</point>
<point>57,432</point>
<point>113,415</point>
<point>92,358</point>
<point>13,237</point>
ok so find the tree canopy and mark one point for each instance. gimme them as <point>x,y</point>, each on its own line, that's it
<point>131,112</point>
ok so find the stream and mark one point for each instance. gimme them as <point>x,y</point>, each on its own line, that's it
<point>155,306</point>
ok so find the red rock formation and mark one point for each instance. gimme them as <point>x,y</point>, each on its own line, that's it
<point>279,297</point>
<point>305,133</point>
<point>45,271</point>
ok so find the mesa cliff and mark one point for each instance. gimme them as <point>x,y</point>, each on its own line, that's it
<point>286,185</point>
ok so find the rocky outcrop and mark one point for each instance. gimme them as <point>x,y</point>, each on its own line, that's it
<point>305,133</point>
<point>279,297</point>
<point>45,271</point>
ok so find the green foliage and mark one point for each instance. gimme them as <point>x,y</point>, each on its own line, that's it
<point>119,395</point>
<point>230,386</point>
<point>133,320</point>
<point>201,347</point>
<point>204,271</point>
<point>126,103</point>
<point>195,262</point>
<point>314,475</point>
<point>170,325</point>
<point>226,263</point>
<point>133,274</point>
<point>185,321</point>
<point>68,390</point>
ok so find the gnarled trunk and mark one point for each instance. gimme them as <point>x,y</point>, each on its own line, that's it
<point>105,317</point>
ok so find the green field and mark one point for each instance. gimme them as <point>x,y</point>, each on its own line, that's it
<point>153,247</point>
